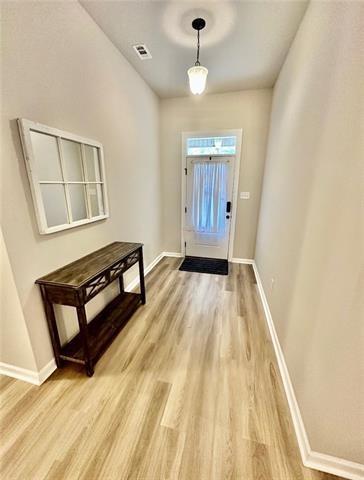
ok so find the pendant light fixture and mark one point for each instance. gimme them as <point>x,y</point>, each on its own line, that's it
<point>198,74</point>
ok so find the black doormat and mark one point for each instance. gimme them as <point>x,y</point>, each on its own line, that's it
<point>215,266</point>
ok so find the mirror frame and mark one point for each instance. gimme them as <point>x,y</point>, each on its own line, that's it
<point>25,127</point>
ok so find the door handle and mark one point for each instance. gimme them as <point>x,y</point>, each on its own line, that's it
<point>228,207</point>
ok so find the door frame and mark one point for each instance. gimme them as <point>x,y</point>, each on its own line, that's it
<point>238,133</point>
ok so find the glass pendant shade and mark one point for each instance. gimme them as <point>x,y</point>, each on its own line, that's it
<point>197,76</point>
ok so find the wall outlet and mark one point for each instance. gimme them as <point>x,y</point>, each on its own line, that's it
<point>244,195</point>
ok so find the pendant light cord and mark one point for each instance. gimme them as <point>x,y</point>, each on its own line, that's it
<point>198,48</point>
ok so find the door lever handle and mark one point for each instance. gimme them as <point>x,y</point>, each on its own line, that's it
<point>228,207</point>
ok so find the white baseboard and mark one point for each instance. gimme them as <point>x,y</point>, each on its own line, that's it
<point>173,254</point>
<point>247,261</point>
<point>135,282</point>
<point>335,465</point>
<point>47,371</point>
<point>30,376</point>
<point>310,458</point>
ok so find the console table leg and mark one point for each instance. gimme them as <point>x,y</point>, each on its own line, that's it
<point>52,325</point>
<point>82,321</point>
<point>121,283</point>
<point>141,277</point>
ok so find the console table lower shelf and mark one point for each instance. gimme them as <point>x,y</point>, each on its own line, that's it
<point>103,329</point>
<point>76,284</point>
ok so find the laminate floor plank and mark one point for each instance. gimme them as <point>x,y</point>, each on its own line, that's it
<point>189,390</point>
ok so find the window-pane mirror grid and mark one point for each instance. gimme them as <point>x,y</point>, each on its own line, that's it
<point>71,161</point>
<point>67,177</point>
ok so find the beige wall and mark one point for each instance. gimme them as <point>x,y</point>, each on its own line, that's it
<point>15,346</point>
<point>310,237</point>
<point>60,69</point>
<point>248,110</point>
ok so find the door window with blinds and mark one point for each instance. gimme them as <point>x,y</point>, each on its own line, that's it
<point>67,177</point>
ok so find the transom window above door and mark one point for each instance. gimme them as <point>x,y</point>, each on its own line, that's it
<point>67,177</point>
<point>211,145</point>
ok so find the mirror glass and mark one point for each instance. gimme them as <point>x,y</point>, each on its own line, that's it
<point>71,152</point>
<point>45,151</point>
<point>96,203</point>
<point>92,164</point>
<point>54,202</point>
<point>78,203</point>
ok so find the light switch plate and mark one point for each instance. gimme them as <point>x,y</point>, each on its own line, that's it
<point>244,195</point>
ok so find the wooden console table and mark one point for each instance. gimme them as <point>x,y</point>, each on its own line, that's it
<point>75,284</point>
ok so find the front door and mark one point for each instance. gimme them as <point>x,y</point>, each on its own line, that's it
<point>209,189</point>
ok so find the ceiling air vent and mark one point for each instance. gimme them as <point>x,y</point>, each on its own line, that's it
<point>142,51</point>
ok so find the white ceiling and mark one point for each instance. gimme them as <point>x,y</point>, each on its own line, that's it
<point>243,44</point>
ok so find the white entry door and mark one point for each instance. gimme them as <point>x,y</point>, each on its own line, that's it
<point>208,209</point>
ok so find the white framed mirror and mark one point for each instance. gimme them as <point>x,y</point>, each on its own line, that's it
<point>67,177</point>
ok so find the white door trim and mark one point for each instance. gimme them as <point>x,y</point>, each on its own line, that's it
<point>213,133</point>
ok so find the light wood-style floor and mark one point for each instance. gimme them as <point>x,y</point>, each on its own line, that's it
<point>189,390</point>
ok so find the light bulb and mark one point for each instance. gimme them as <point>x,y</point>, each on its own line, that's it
<point>197,76</point>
